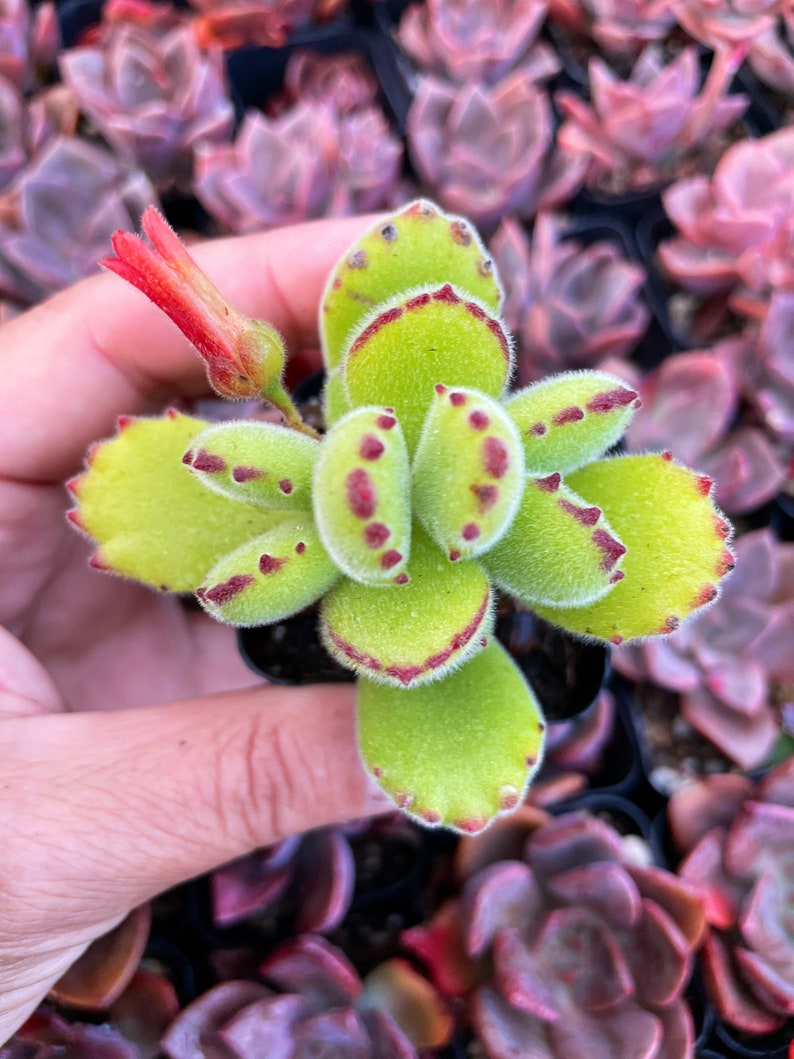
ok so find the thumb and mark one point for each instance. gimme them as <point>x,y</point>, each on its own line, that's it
<point>102,811</point>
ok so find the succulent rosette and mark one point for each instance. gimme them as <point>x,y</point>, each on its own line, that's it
<point>740,858</point>
<point>433,488</point>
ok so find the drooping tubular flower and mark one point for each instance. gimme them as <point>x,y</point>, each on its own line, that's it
<point>433,488</point>
<point>244,357</point>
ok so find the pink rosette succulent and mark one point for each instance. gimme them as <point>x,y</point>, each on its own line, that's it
<point>639,132</point>
<point>345,79</point>
<point>736,228</point>
<point>740,858</point>
<point>767,367</point>
<point>732,665</point>
<point>489,151</point>
<point>59,213</point>
<point>467,40</point>
<point>574,752</point>
<point>570,306</point>
<point>311,161</point>
<point>153,96</point>
<point>690,405</point>
<point>771,56</point>
<point>27,126</point>
<point>622,27</point>
<point>717,23</point>
<point>552,947</point>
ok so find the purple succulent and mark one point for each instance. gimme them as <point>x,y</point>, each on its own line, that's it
<point>772,56</point>
<point>487,151</point>
<point>736,228</point>
<point>622,27</point>
<point>29,40</point>
<point>717,23</point>
<point>568,305</point>
<point>639,132</point>
<point>737,838</point>
<point>766,364</point>
<point>345,79</point>
<point>311,161</point>
<point>153,96</point>
<point>313,1004</point>
<point>12,146</point>
<point>553,950</point>
<point>689,406</point>
<point>58,215</point>
<point>732,665</point>
<point>467,40</point>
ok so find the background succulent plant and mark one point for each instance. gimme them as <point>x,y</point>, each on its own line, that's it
<point>551,948</point>
<point>570,306</point>
<point>638,132</point>
<point>621,27</point>
<point>153,95</point>
<point>736,837</point>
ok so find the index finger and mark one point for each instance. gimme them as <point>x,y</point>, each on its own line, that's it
<point>70,366</point>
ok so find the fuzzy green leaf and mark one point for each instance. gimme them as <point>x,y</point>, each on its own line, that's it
<point>418,245</point>
<point>271,577</point>
<point>262,464</point>
<point>677,547</point>
<point>335,402</point>
<point>560,550</point>
<point>456,752</point>
<point>152,519</point>
<point>421,338</point>
<point>468,472</point>
<point>565,421</point>
<point>361,496</point>
<point>415,632</point>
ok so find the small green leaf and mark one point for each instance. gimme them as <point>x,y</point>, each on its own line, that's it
<point>335,402</point>
<point>262,464</point>
<point>456,752</point>
<point>361,496</point>
<point>271,577</point>
<point>419,244</point>
<point>415,632</point>
<point>560,550</point>
<point>565,421</point>
<point>152,519</point>
<point>468,472</point>
<point>677,547</point>
<point>424,337</point>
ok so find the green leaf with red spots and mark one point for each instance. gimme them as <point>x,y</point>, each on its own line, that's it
<point>335,402</point>
<point>415,632</point>
<point>270,577</point>
<point>560,549</point>
<point>565,421</point>
<point>677,547</point>
<point>262,464</point>
<point>468,472</point>
<point>361,496</point>
<point>424,337</point>
<point>458,751</point>
<point>151,518</point>
<point>418,245</point>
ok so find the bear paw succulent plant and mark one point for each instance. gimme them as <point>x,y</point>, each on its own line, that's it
<point>433,488</point>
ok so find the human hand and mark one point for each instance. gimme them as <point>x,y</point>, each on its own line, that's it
<point>134,752</point>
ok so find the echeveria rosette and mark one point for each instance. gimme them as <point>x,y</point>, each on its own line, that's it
<point>432,488</point>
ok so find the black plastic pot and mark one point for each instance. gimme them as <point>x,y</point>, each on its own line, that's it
<point>256,73</point>
<point>770,1046</point>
